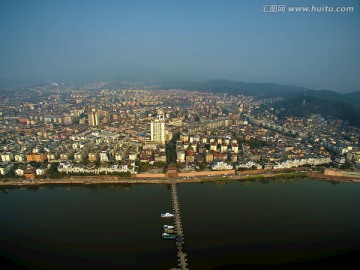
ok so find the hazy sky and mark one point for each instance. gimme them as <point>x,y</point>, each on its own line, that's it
<point>181,40</point>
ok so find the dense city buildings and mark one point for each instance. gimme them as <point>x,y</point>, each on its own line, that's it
<point>60,129</point>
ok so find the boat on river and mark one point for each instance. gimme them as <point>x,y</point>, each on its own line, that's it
<point>167,215</point>
<point>168,236</point>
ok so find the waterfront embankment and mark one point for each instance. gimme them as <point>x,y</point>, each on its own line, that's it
<point>107,179</point>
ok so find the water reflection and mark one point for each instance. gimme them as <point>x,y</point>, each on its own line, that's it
<point>265,222</point>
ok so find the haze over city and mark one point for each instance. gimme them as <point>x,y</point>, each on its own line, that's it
<point>89,41</point>
<point>176,134</point>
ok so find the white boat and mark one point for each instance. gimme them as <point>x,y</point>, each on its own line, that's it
<point>167,215</point>
<point>168,236</point>
<point>168,227</point>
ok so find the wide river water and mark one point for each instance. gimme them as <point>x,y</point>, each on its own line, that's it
<point>119,226</point>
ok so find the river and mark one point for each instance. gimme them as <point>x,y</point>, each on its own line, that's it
<point>237,222</point>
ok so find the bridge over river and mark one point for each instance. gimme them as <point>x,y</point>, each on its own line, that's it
<point>180,240</point>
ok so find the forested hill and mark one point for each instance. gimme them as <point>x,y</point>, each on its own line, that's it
<point>325,102</point>
<point>327,108</point>
<point>234,87</point>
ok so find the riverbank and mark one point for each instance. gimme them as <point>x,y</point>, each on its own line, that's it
<point>98,180</point>
<point>320,176</point>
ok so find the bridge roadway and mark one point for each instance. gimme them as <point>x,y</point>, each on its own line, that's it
<point>182,257</point>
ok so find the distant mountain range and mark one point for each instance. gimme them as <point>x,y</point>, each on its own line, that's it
<point>235,88</point>
<point>17,84</point>
<point>345,106</point>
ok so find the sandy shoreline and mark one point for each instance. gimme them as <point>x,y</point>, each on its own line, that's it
<point>92,180</point>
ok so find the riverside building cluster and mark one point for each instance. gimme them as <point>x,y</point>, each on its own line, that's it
<point>58,129</point>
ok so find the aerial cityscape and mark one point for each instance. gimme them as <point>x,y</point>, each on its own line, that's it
<point>57,130</point>
<point>179,134</point>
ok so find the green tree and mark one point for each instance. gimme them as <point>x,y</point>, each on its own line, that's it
<point>144,166</point>
<point>159,164</point>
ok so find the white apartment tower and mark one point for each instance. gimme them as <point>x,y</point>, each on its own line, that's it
<point>93,117</point>
<point>158,129</point>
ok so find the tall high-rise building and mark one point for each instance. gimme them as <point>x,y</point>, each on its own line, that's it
<point>93,117</point>
<point>158,129</point>
<point>241,108</point>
